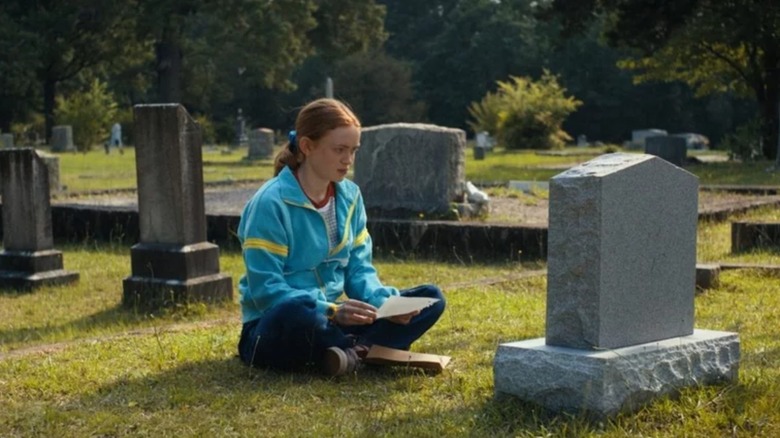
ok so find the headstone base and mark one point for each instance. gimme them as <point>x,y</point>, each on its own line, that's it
<point>167,274</point>
<point>602,383</point>
<point>28,270</point>
<point>154,293</point>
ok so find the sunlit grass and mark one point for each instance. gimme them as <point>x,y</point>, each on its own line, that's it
<point>714,239</point>
<point>119,372</point>
<point>189,383</point>
<point>97,171</point>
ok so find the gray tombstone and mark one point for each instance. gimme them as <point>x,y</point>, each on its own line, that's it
<point>670,148</point>
<point>241,137</point>
<point>261,144</point>
<point>329,87</point>
<point>640,136</point>
<point>52,163</point>
<point>620,292</point>
<point>53,167</point>
<point>7,140</point>
<point>173,263</point>
<point>411,167</point>
<point>28,259</point>
<point>62,139</point>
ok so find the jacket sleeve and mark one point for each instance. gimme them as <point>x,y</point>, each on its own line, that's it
<point>265,246</point>
<point>362,282</point>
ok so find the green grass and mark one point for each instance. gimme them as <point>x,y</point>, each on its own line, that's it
<point>527,165</point>
<point>120,373</point>
<point>96,171</point>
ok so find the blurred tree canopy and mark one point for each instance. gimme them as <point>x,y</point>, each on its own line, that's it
<point>714,46</point>
<point>397,60</point>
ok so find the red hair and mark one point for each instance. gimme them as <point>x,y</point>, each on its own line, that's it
<point>314,121</point>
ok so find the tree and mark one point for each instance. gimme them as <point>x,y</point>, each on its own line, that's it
<point>246,42</point>
<point>460,48</point>
<point>378,87</point>
<point>90,113</point>
<point>524,113</point>
<point>59,40</point>
<point>713,45</point>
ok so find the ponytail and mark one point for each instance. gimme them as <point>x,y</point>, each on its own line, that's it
<point>286,157</point>
<point>313,121</point>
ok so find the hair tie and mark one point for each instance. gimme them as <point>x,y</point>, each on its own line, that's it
<point>292,136</point>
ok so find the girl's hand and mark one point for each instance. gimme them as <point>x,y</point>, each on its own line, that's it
<point>354,312</point>
<point>403,319</point>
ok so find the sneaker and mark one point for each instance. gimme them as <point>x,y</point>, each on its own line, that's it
<point>338,361</point>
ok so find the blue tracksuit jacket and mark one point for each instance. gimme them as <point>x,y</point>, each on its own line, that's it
<point>286,252</point>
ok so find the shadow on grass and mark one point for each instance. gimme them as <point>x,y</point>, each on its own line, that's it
<point>116,316</point>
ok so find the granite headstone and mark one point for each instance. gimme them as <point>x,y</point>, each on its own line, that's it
<point>173,262</point>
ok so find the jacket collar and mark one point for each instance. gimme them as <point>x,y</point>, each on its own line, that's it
<point>293,193</point>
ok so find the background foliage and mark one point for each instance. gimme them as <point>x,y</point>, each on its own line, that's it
<point>400,60</point>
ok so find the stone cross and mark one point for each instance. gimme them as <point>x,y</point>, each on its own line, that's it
<point>412,168</point>
<point>620,291</point>
<point>28,259</point>
<point>173,262</point>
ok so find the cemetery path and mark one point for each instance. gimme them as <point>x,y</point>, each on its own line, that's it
<point>230,199</point>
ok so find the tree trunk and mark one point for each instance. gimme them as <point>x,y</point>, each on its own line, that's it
<point>169,66</point>
<point>49,93</point>
<point>770,113</point>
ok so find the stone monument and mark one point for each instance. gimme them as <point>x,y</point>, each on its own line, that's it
<point>670,148</point>
<point>173,262</point>
<point>620,292</point>
<point>28,259</point>
<point>261,144</point>
<point>62,139</point>
<point>241,137</point>
<point>414,168</point>
<point>7,141</point>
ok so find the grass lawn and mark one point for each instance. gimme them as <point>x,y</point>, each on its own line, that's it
<point>96,171</point>
<point>100,370</point>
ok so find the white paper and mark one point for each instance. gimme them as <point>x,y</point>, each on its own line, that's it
<point>397,305</point>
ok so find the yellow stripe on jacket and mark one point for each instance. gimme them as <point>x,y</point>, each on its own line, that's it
<point>275,248</point>
<point>361,237</point>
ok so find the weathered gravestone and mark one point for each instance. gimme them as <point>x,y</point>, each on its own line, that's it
<point>639,137</point>
<point>28,259</point>
<point>411,168</point>
<point>261,144</point>
<point>62,139</point>
<point>620,292</point>
<point>670,148</point>
<point>52,163</point>
<point>173,263</point>
<point>6,141</point>
<point>241,137</point>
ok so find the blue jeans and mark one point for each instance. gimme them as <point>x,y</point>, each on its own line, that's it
<point>293,334</point>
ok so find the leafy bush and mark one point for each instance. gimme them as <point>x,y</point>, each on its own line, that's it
<point>525,114</point>
<point>207,129</point>
<point>30,132</point>
<point>90,113</point>
<point>745,143</point>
